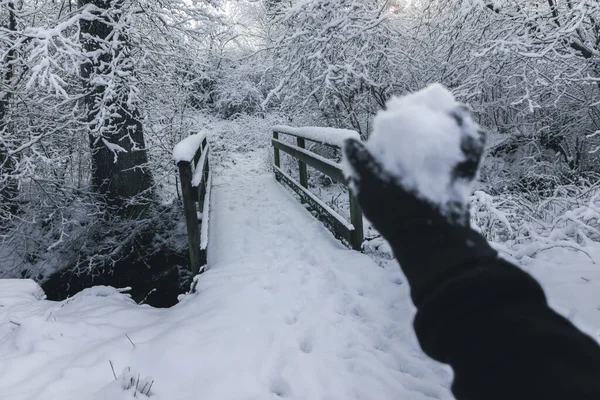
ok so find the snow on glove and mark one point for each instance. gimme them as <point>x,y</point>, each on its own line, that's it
<point>413,179</point>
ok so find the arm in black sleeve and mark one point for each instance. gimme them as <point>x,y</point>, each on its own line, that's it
<point>490,321</point>
<point>483,316</point>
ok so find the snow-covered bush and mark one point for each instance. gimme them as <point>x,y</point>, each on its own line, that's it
<point>239,90</point>
<point>242,133</point>
<point>525,225</point>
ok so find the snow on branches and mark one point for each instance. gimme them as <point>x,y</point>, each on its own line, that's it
<point>335,55</point>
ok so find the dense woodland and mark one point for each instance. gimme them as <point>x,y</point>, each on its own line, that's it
<point>94,94</point>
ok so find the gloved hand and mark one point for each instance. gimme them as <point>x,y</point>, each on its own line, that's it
<point>429,240</point>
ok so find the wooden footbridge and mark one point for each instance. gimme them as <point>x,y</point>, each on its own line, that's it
<point>192,156</point>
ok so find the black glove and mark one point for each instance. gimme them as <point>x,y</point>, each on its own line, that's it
<point>430,241</point>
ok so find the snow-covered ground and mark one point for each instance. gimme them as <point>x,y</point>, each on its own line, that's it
<point>571,280</point>
<point>284,311</point>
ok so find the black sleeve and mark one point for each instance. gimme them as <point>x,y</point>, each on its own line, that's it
<point>490,321</point>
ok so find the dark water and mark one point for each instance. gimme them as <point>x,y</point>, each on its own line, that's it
<point>156,280</point>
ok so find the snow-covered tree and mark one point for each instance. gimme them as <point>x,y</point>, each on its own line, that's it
<point>554,48</point>
<point>8,182</point>
<point>81,83</point>
<point>119,158</point>
<point>337,56</point>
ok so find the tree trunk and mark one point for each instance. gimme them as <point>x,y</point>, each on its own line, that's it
<point>121,176</point>
<point>9,187</point>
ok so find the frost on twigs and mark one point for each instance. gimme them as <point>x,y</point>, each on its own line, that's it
<point>428,143</point>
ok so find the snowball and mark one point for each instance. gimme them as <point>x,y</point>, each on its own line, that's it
<point>417,140</point>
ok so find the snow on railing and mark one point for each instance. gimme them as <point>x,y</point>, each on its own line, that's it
<point>199,173</point>
<point>351,231</point>
<point>192,158</point>
<point>331,136</point>
<point>187,148</point>
<point>205,216</point>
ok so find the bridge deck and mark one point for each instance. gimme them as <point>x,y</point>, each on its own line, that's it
<point>338,325</point>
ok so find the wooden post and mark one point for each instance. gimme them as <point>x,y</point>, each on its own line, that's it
<point>276,150</point>
<point>202,186</point>
<point>302,165</point>
<point>201,193</point>
<point>191,218</point>
<point>207,166</point>
<point>357,236</point>
<point>194,162</point>
<point>198,154</point>
<point>204,144</point>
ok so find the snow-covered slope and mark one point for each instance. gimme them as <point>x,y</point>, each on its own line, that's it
<point>284,311</point>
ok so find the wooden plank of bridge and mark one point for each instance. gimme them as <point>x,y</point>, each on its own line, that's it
<point>357,235</point>
<point>276,150</point>
<point>202,185</point>
<point>302,165</point>
<point>325,215</point>
<point>201,189</point>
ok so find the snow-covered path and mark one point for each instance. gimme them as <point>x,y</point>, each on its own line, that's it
<point>284,311</point>
<point>341,323</point>
<point>255,218</point>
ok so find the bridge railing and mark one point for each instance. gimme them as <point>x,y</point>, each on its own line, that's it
<point>351,231</point>
<point>192,158</point>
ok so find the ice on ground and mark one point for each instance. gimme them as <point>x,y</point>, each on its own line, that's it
<point>331,136</point>
<point>186,149</point>
<point>418,141</point>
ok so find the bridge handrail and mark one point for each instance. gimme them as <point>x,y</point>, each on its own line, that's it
<point>352,231</point>
<point>192,158</point>
<point>189,148</point>
<point>325,165</point>
<point>328,136</point>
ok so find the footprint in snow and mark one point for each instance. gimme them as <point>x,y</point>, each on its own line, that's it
<point>291,319</point>
<point>306,346</point>
<point>280,387</point>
